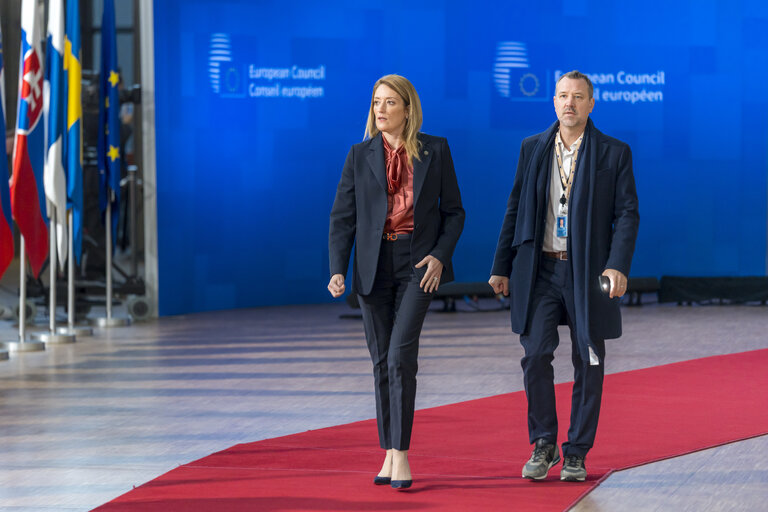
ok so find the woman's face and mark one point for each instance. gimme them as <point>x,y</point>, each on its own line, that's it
<point>390,111</point>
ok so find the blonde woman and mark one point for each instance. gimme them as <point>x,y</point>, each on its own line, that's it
<point>398,203</point>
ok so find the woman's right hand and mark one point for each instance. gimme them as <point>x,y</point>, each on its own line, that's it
<point>336,285</point>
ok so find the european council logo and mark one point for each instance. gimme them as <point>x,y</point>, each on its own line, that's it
<point>226,78</point>
<point>513,76</point>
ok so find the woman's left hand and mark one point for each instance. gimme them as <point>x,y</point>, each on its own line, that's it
<point>431,279</point>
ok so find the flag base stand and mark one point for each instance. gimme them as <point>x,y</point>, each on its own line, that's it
<point>53,338</point>
<point>77,330</point>
<point>25,346</point>
<point>22,345</point>
<point>115,321</point>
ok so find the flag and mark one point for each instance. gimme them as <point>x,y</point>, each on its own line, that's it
<point>73,149</point>
<point>6,221</point>
<point>109,118</point>
<point>53,111</point>
<point>27,194</point>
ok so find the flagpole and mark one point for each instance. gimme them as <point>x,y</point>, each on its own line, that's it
<point>71,274</point>
<point>23,345</point>
<point>109,260</point>
<point>110,321</point>
<point>52,262</point>
<point>52,336</point>
<point>108,147</point>
<point>80,330</point>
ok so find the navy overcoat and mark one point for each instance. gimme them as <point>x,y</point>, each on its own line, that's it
<point>603,221</point>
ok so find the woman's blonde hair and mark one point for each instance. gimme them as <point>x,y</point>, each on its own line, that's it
<point>413,120</point>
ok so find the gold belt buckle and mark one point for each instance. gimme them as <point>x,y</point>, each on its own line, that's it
<point>390,237</point>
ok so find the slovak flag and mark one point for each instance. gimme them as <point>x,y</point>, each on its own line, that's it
<point>6,221</point>
<point>27,191</point>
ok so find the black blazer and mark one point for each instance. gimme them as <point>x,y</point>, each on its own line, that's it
<point>360,210</point>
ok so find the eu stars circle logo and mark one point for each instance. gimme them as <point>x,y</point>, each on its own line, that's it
<point>529,84</point>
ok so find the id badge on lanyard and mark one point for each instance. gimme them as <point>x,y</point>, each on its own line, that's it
<point>561,221</point>
<point>562,226</point>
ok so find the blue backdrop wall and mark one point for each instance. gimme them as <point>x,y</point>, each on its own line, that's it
<point>259,101</point>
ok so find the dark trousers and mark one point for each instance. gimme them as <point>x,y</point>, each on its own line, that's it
<point>553,298</point>
<point>393,314</point>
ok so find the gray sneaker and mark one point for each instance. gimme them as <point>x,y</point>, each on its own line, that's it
<point>545,455</point>
<point>573,469</point>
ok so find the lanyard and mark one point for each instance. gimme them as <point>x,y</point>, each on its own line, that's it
<point>566,181</point>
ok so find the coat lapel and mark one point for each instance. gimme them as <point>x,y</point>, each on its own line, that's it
<point>544,173</point>
<point>420,168</point>
<point>376,161</point>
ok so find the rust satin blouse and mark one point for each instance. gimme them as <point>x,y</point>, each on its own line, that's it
<point>399,190</point>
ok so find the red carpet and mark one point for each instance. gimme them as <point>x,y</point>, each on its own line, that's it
<point>468,456</point>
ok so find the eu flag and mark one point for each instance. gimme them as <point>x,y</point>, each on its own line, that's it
<point>6,224</point>
<point>74,142</point>
<point>109,118</point>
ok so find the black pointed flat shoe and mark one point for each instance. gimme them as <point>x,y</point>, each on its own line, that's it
<point>401,484</point>
<point>381,480</point>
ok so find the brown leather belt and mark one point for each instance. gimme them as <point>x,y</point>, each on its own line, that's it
<point>557,255</point>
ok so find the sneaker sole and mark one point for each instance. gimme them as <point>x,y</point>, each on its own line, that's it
<point>567,478</point>
<point>556,461</point>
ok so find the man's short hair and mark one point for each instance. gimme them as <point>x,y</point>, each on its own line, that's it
<point>577,75</point>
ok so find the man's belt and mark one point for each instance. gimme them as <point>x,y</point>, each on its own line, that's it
<point>391,237</point>
<point>557,255</point>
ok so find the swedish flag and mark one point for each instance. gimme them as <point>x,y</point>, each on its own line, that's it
<point>109,156</point>
<point>73,138</point>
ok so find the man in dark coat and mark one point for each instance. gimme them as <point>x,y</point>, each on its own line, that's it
<point>571,218</point>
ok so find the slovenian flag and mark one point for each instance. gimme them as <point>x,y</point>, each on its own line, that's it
<point>6,220</point>
<point>109,119</point>
<point>73,148</point>
<point>27,194</point>
<point>53,90</point>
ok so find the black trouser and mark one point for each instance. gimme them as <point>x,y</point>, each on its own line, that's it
<point>553,297</point>
<point>393,314</point>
